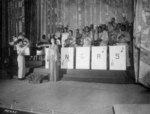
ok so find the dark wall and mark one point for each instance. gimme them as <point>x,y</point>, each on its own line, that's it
<point>31,20</point>
<point>27,17</point>
<point>0,23</point>
<point>4,28</point>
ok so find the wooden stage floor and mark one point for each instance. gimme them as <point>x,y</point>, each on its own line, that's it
<point>70,97</point>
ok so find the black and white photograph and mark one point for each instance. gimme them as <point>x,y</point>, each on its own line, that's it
<point>75,57</point>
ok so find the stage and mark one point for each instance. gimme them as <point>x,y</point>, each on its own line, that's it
<point>69,97</point>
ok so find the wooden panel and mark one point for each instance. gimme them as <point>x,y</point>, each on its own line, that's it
<point>16,17</point>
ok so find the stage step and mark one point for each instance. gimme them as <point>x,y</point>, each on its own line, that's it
<point>104,76</point>
<point>100,79</point>
<point>93,72</point>
<point>41,70</point>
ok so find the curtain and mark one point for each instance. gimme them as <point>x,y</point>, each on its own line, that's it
<point>4,32</point>
<point>32,23</point>
<point>80,13</point>
<point>142,42</point>
<point>16,18</point>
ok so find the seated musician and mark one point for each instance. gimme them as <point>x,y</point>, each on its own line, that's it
<point>126,22</point>
<point>87,40</point>
<point>104,36</point>
<point>123,38</point>
<point>79,37</point>
<point>92,31</point>
<point>100,34</point>
<point>112,31</point>
<point>70,41</point>
<point>96,37</point>
<point>65,35</point>
<point>112,24</point>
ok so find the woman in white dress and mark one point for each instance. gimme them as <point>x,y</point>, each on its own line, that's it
<point>21,59</point>
<point>53,58</point>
